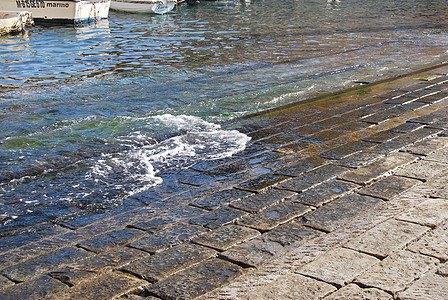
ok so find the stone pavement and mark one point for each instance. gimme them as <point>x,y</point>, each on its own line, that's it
<point>340,197</point>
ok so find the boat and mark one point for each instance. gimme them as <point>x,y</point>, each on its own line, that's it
<point>14,21</point>
<point>72,11</point>
<point>147,6</point>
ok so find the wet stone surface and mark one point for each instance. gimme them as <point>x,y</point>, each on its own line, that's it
<point>261,201</point>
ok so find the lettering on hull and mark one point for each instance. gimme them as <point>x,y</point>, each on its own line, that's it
<point>40,4</point>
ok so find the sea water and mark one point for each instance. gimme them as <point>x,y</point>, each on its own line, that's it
<point>92,114</point>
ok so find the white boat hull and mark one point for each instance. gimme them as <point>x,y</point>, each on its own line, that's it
<point>60,10</point>
<point>143,6</point>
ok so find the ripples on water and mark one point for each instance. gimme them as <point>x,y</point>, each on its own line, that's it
<point>91,114</point>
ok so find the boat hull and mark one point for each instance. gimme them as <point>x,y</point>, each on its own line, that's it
<point>142,6</point>
<point>60,10</point>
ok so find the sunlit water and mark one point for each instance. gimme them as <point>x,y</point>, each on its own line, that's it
<point>95,113</point>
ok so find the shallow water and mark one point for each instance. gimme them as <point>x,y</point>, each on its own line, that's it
<point>92,114</point>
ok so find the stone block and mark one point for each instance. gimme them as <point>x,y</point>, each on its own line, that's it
<point>312,178</point>
<point>110,285</point>
<point>226,237</point>
<point>430,286</point>
<point>340,211</point>
<point>432,213</point>
<point>197,280</point>
<point>443,270</point>
<point>338,266</point>
<point>39,288</point>
<point>422,169</point>
<point>103,242</point>
<point>303,166</point>
<point>347,149</point>
<point>220,198</point>
<point>85,269</point>
<point>217,218</point>
<point>381,137</point>
<point>275,215</point>
<point>5,282</point>
<point>324,193</point>
<point>260,201</point>
<point>262,182</point>
<point>352,291</point>
<point>439,156</point>
<point>359,159</point>
<point>163,264</point>
<point>428,146</point>
<point>292,286</point>
<point>397,271</point>
<point>38,265</point>
<point>366,174</point>
<point>155,223</point>
<point>271,244</point>
<point>387,237</point>
<point>434,243</point>
<point>388,187</point>
<point>167,238</point>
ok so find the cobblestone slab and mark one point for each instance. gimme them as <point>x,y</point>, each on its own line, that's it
<point>295,287</point>
<point>339,266</point>
<point>90,267</point>
<point>40,264</point>
<point>422,170</point>
<point>305,165</point>
<point>432,213</point>
<point>324,193</point>
<point>439,156</point>
<point>167,238</point>
<point>271,244</point>
<point>220,198</point>
<point>111,239</point>
<point>377,169</point>
<point>426,147</point>
<point>397,271</point>
<point>159,222</point>
<point>347,150</point>
<point>218,218</point>
<point>275,215</point>
<point>443,270</point>
<point>388,187</point>
<point>197,280</point>
<point>226,237</point>
<point>39,288</point>
<point>5,282</point>
<point>312,178</point>
<point>163,264</point>
<point>260,201</point>
<point>262,182</point>
<point>352,291</point>
<point>337,213</point>
<point>434,243</point>
<point>109,286</point>
<point>387,237</point>
<point>430,286</point>
<point>381,137</point>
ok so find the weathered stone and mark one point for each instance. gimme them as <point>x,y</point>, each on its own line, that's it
<point>385,115</point>
<point>275,215</point>
<point>443,270</point>
<point>324,193</point>
<point>197,280</point>
<point>337,213</point>
<point>260,201</point>
<point>271,244</point>
<point>359,159</point>
<point>347,149</point>
<point>303,166</point>
<point>430,286</point>
<point>167,238</point>
<point>218,218</point>
<point>439,156</point>
<point>90,267</point>
<point>220,198</point>
<point>338,266</point>
<point>292,286</point>
<point>159,222</point>
<point>201,179</point>
<point>312,178</point>
<point>226,237</point>
<point>387,237</point>
<point>111,239</point>
<point>381,137</point>
<point>39,288</point>
<point>397,271</point>
<point>44,263</point>
<point>352,291</point>
<point>428,146</point>
<point>422,169</point>
<point>262,182</point>
<point>432,212</point>
<point>402,99</point>
<point>5,282</point>
<point>110,285</point>
<point>325,136</point>
<point>388,187</point>
<point>434,243</point>
<point>377,169</point>
<point>163,264</point>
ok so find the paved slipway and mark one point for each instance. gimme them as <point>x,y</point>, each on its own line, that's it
<point>343,196</point>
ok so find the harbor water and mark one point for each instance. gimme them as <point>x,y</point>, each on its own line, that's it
<point>92,114</point>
